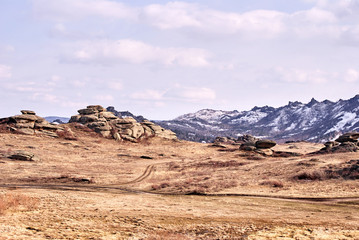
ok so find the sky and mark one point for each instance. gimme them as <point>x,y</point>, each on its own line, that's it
<point>162,59</point>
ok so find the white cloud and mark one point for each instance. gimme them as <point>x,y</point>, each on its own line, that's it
<point>177,93</point>
<point>326,18</point>
<point>148,94</point>
<point>174,15</point>
<point>351,75</point>
<point>303,76</point>
<point>137,52</point>
<point>104,98</point>
<point>114,85</point>
<point>64,10</point>
<point>5,72</point>
<point>191,94</point>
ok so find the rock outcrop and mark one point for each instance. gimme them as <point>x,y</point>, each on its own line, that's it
<point>108,125</point>
<point>345,143</point>
<point>29,123</point>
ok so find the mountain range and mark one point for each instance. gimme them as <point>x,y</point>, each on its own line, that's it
<point>314,121</point>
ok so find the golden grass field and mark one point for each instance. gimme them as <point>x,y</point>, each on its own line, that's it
<point>96,188</point>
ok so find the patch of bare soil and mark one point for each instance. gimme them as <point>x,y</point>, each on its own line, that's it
<point>96,188</point>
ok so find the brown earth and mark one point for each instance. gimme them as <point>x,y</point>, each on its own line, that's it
<point>96,188</point>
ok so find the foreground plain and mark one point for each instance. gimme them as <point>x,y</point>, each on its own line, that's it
<point>96,188</point>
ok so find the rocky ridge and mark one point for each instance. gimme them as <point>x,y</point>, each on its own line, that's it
<point>110,126</point>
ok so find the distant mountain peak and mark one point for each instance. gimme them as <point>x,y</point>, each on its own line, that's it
<point>315,121</point>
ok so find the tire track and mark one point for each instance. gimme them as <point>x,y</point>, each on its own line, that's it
<point>115,188</point>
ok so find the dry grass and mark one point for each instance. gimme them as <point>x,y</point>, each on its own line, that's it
<point>112,208</point>
<point>15,201</point>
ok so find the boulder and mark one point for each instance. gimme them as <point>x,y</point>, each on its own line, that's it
<point>348,137</point>
<point>265,144</point>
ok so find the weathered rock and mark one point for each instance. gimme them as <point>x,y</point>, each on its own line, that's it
<point>88,118</point>
<point>225,140</point>
<point>29,112</point>
<point>348,137</point>
<point>108,115</point>
<point>346,147</point>
<point>137,130</point>
<point>75,118</point>
<point>109,125</point>
<point>23,156</point>
<point>265,144</point>
<point>331,144</point>
<point>247,148</point>
<point>117,136</point>
<point>47,126</point>
<point>148,131</point>
<point>25,117</point>
<point>265,151</point>
<point>99,108</point>
<point>27,131</point>
<point>87,111</point>
<point>46,133</point>
<point>247,138</point>
<point>25,125</point>
<point>29,123</point>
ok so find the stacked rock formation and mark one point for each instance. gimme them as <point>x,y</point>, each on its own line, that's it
<point>108,125</point>
<point>29,123</point>
<point>345,143</point>
<point>261,146</point>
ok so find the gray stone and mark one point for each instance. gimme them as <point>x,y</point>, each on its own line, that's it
<point>265,144</point>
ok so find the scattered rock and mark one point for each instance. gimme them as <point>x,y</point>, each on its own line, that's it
<point>23,156</point>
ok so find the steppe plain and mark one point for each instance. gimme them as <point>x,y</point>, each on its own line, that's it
<point>97,188</point>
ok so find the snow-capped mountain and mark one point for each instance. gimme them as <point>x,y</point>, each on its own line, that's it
<point>314,121</point>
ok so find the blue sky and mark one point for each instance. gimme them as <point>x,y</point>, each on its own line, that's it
<point>163,58</point>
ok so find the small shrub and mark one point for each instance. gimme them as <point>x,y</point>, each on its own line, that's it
<point>311,176</point>
<point>273,183</point>
<point>66,134</point>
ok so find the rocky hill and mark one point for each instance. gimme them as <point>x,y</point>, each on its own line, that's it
<point>314,121</point>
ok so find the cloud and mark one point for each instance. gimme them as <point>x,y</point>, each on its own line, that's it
<point>5,72</point>
<point>114,85</point>
<point>148,94</point>
<point>137,52</point>
<point>192,94</point>
<point>104,98</point>
<point>351,75</point>
<point>64,10</point>
<point>175,15</point>
<point>302,76</point>
<point>177,93</point>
